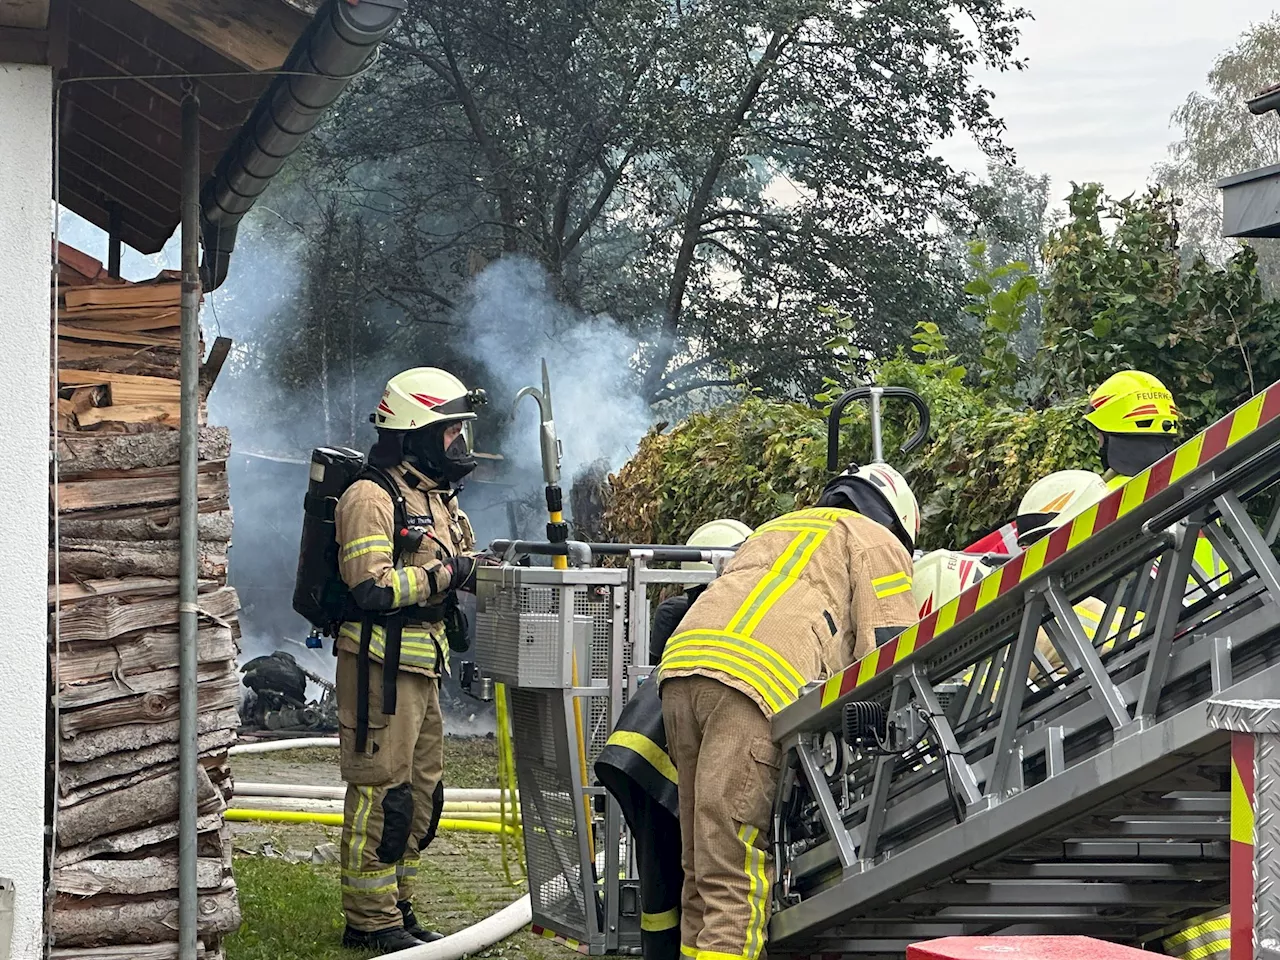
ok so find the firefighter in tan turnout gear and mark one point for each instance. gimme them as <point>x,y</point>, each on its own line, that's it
<point>803,597</point>
<point>404,549</point>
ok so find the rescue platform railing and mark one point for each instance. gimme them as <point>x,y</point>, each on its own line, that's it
<point>959,782</point>
<point>556,638</point>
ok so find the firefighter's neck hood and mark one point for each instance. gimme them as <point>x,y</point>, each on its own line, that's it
<point>1130,454</point>
<point>423,451</point>
<point>847,492</point>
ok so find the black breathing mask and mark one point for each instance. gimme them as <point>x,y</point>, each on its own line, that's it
<point>425,449</point>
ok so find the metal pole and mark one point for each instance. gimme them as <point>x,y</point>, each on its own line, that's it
<point>113,238</point>
<point>1255,825</point>
<point>877,440</point>
<point>188,619</point>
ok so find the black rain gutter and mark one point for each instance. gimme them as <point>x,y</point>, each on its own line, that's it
<point>1265,101</point>
<point>335,47</point>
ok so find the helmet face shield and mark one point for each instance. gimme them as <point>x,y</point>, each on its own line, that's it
<point>442,459</point>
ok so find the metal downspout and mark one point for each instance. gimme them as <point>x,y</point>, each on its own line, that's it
<point>188,619</point>
<point>339,43</point>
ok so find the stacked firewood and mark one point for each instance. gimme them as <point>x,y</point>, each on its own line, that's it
<point>113,599</point>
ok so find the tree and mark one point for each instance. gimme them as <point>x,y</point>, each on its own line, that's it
<point>1221,138</point>
<point>706,174</point>
<point>1118,296</point>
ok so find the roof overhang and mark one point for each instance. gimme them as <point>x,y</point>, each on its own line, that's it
<point>1251,204</point>
<point>120,135</point>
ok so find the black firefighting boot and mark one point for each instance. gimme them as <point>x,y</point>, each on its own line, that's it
<point>388,940</point>
<point>413,928</point>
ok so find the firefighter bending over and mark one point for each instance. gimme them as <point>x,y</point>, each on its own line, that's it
<point>404,549</point>
<point>807,594</point>
<point>636,768</point>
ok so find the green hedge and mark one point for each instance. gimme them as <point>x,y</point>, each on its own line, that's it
<point>757,458</point>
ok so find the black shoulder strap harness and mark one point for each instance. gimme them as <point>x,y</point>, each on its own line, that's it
<point>392,623</point>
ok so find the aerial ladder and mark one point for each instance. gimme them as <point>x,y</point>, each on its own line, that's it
<point>953,782</point>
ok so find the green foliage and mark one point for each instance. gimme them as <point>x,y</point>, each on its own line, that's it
<point>758,458</point>
<point>1220,137</point>
<point>999,297</point>
<point>936,360</point>
<point>1116,296</point>
<point>1120,299</point>
<point>632,148</point>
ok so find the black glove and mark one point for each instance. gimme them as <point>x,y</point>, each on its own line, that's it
<point>462,573</point>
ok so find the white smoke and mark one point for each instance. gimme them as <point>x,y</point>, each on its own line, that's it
<point>514,321</point>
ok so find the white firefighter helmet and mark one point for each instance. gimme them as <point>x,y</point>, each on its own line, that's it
<point>1053,500</point>
<point>425,396</point>
<point>851,491</point>
<point>715,533</point>
<point>941,576</point>
<point>893,487</point>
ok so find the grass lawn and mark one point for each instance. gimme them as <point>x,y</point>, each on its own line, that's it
<point>293,911</point>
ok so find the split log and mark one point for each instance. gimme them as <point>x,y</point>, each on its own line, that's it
<point>120,358</point>
<point>149,708</point>
<point>78,456</point>
<point>215,763</point>
<point>151,486</point>
<point>121,412</point>
<point>69,593</point>
<point>102,921</point>
<point>132,388</point>
<point>214,528</point>
<point>89,878</point>
<point>113,753</point>
<point>132,320</point>
<point>77,331</point>
<point>132,840</point>
<point>166,511</point>
<point>81,697</point>
<point>131,808</point>
<point>105,618</point>
<point>124,295</point>
<point>88,661</point>
<point>105,559</point>
<point>80,781</point>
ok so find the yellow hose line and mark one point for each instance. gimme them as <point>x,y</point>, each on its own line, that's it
<point>335,820</point>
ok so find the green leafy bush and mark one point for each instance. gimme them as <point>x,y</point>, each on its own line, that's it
<point>758,458</point>
<point>1116,296</point>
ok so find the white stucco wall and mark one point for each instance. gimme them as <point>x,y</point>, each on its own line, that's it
<point>25,225</point>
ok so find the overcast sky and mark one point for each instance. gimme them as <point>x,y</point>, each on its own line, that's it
<point>1103,78</point>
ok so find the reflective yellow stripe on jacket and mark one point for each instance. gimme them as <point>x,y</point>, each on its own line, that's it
<point>1208,940</point>
<point>734,651</point>
<point>417,643</point>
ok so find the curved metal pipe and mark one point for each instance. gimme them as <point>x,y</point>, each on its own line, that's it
<point>337,45</point>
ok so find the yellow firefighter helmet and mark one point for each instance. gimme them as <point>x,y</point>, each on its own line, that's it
<point>1133,402</point>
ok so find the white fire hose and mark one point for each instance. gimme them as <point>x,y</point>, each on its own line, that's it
<point>479,936</point>
<point>315,792</point>
<point>274,746</point>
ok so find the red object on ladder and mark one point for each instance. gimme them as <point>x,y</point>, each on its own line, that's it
<point>1022,948</point>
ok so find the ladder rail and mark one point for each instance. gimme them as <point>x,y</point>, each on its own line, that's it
<point>917,800</point>
<point>1022,758</point>
<point>1062,708</point>
<point>1084,565</point>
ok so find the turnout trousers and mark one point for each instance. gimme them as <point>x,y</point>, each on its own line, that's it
<point>728,769</point>
<point>394,792</point>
